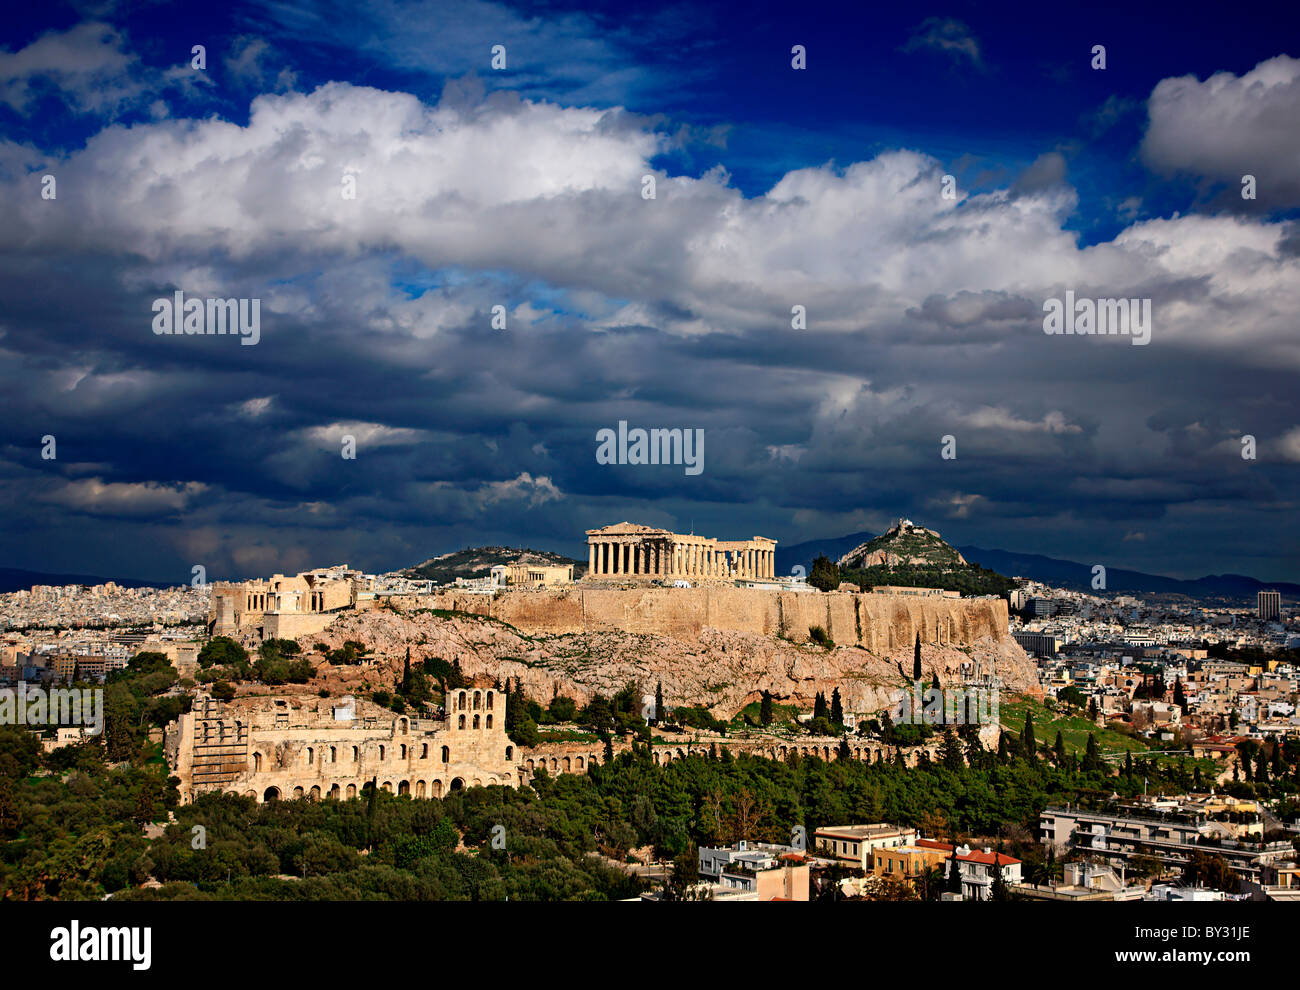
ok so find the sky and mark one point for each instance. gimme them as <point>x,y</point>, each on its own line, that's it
<point>860,217</point>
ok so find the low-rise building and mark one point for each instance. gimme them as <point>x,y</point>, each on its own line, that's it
<point>853,845</point>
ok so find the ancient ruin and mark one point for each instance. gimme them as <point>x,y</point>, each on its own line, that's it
<point>276,747</point>
<point>628,551</point>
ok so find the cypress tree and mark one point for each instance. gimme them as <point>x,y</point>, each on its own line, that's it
<point>1091,758</point>
<point>1060,748</point>
<point>659,700</point>
<point>1128,764</point>
<point>765,709</point>
<point>953,884</point>
<point>819,706</point>
<point>1027,743</point>
<point>916,659</point>
<point>1003,755</point>
<point>837,707</point>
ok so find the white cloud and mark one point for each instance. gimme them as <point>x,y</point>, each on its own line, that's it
<point>1229,126</point>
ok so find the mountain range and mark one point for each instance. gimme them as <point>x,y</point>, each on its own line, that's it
<point>1050,570</point>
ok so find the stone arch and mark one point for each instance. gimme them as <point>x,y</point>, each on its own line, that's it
<point>529,764</point>
<point>460,721</point>
<point>352,790</point>
<point>297,792</point>
<point>476,725</point>
<point>424,751</point>
<point>271,794</point>
<point>404,787</point>
<point>446,754</point>
<point>311,756</point>
<point>578,762</point>
<point>478,700</point>
<point>489,721</point>
<point>489,701</point>
<point>458,784</point>
<point>419,788</point>
<point>403,726</point>
<point>510,752</point>
<point>476,782</point>
<point>356,754</point>
<point>402,751</point>
<point>388,786</point>
<point>257,762</point>
<point>437,788</point>
<point>568,764</point>
<point>251,794</point>
<point>334,754</point>
<point>314,793</point>
<point>382,750</point>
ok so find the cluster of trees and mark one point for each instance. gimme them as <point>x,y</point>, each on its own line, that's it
<point>137,698</point>
<point>223,662</point>
<point>970,579</point>
<point>351,652</point>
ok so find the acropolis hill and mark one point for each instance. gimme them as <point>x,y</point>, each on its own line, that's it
<point>706,617</point>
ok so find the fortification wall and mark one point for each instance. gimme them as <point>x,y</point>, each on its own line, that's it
<point>879,623</point>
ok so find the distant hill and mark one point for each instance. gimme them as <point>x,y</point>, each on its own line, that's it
<point>474,562</point>
<point>17,579</point>
<point>903,544</point>
<point>1050,570</point>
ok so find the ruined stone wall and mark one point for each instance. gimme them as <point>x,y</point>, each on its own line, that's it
<point>879,623</point>
<point>577,757</point>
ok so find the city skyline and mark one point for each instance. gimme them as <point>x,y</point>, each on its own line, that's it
<point>801,300</point>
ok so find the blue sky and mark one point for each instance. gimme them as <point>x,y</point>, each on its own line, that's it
<point>520,188</point>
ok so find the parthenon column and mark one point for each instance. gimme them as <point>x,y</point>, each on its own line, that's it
<point>591,558</point>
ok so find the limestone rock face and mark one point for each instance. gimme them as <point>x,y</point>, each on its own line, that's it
<point>706,647</point>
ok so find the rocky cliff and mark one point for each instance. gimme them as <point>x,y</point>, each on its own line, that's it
<point>718,647</point>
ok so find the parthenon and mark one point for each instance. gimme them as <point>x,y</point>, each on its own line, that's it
<point>628,551</point>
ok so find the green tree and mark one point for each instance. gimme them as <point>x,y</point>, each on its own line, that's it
<point>765,708</point>
<point>1092,762</point>
<point>222,651</point>
<point>1059,748</point>
<point>1027,744</point>
<point>916,659</point>
<point>950,751</point>
<point>837,708</point>
<point>825,575</point>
